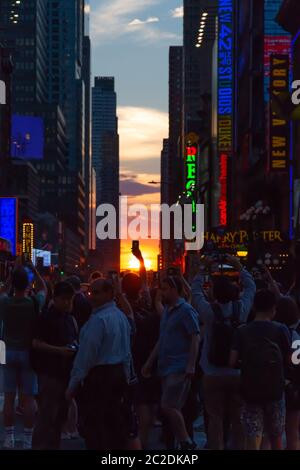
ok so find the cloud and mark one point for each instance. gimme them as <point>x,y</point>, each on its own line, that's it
<point>112,19</point>
<point>138,22</point>
<point>131,187</point>
<point>150,167</point>
<point>177,13</point>
<point>142,131</point>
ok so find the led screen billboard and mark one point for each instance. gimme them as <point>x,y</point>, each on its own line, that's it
<point>8,221</point>
<point>27,137</point>
<point>46,255</point>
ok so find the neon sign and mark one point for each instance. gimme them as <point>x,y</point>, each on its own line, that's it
<point>223,185</point>
<point>279,128</point>
<point>225,75</point>
<point>8,221</point>
<point>28,241</point>
<point>191,173</point>
<point>225,98</point>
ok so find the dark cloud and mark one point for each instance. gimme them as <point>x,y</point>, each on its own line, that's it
<point>125,176</point>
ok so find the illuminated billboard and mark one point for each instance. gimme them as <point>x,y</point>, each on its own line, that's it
<point>225,99</point>
<point>27,137</point>
<point>8,221</point>
<point>279,127</point>
<point>276,40</point>
<point>223,186</point>
<point>46,255</point>
<point>27,246</point>
<point>191,165</point>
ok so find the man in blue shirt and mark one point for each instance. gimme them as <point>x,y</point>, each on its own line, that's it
<point>176,351</point>
<point>102,366</point>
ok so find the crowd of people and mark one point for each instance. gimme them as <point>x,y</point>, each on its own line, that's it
<point>110,363</point>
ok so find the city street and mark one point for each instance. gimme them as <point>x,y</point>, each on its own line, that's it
<point>78,444</point>
<point>150,224</point>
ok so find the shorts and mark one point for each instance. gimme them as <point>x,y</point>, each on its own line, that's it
<point>268,418</point>
<point>18,374</point>
<point>175,390</point>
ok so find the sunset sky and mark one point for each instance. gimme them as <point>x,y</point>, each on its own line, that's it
<point>130,41</point>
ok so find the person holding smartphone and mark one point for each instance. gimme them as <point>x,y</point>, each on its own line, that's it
<point>19,316</point>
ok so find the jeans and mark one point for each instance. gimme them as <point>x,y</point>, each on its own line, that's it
<point>222,401</point>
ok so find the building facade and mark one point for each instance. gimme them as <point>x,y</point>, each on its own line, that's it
<point>24,32</point>
<point>105,161</point>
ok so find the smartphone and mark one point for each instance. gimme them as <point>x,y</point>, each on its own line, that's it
<point>135,245</point>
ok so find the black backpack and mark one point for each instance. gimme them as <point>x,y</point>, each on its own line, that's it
<point>262,371</point>
<point>222,335</point>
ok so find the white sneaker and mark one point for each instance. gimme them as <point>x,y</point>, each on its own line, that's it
<point>9,442</point>
<point>65,436</point>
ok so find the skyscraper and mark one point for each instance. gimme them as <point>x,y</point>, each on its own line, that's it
<point>175,121</point>
<point>87,131</point>
<point>263,170</point>
<point>171,160</point>
<point>65,85</point>
<point>24,31</point>
<point>105,155</point>
<point>165,245</point>
<point>5,101</point>
<point>199,22</point>
<point>199,34</point>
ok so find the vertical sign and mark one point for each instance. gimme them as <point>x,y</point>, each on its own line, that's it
<point>28,241</point>
<point>279,127</point>
<point>191,164</point>
<point>225,98</point>
<point>223,186</point>
<point>8,221</point>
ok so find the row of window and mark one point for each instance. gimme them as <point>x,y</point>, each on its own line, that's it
<point>24,88</point>
<point>25,65</point>
<point>25,42</point>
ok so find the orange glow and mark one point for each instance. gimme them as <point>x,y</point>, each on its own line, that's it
<point>149,250</point>
<point>134,263</point>
<point>149,247</point>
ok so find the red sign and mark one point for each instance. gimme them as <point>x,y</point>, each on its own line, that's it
<point>223,185</point>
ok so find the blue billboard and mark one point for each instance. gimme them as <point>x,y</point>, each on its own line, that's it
<point>8,221</point>
<point>27,137</point>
